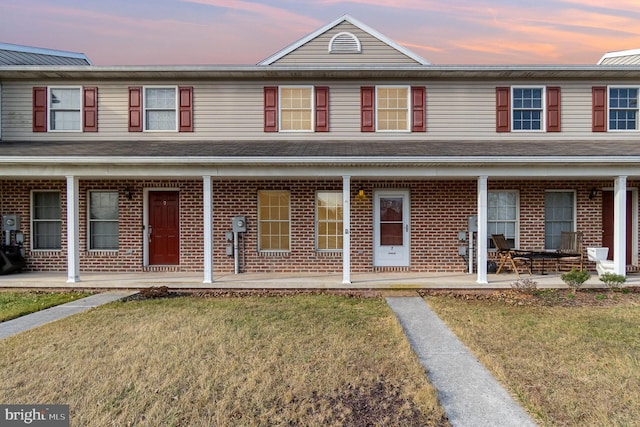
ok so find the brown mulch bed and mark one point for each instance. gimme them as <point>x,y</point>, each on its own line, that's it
<point>546,297</point>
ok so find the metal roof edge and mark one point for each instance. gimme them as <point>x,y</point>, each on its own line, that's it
<point>44,51</point>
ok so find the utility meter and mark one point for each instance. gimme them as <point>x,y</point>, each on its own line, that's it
<point>10,222</point>
<point>240,224</point>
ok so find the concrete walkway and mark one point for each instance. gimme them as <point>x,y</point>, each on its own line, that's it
<point>470,395</point>
<point>39,318</point>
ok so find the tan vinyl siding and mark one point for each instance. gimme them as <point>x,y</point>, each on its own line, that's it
<point>374,51</point>
<point>228,111</point>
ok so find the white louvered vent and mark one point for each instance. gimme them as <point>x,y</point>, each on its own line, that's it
<point>345,43</point>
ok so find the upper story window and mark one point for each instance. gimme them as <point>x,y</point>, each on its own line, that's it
<point>393,108</point>
<point>528,109</point>
<point>296,109</point>
<point>65,109</point>
<point>623,108</point>
<point>160,109</point>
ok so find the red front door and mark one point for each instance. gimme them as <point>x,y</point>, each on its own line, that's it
<point>607,223</point>
<point>164,228</point>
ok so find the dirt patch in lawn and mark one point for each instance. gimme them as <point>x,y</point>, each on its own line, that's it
<point>547,297</point>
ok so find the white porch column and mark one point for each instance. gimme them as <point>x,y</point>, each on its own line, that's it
<point>620,225</point>
<point>481,245</point>
<point>207,212</point>
<point>73,255</point>
<point>346,233</point>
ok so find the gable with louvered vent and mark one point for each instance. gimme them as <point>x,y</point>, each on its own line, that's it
<point>345,43</point>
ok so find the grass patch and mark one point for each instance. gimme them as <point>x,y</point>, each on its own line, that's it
<point>16,304</point>
<point>567,365</point>
<point>291,360</point>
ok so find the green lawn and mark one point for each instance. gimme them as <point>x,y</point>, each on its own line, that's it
<point>18,303</point>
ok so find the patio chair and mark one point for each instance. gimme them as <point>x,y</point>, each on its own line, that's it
<point>571,249</point>
<point>507,254</point>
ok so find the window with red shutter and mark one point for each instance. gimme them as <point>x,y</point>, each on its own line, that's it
<point>39,109</point>
<point>271,109</point>
<point>553,109</point>
<point>322,109</point>
<point>185,107</point>
<point>503,109</point>
<point>599,109</point>
<point>90,109</point>
<point>418,109</point>
<point>367,108</point>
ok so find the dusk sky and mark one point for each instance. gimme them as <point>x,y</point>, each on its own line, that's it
<point>444,32</point>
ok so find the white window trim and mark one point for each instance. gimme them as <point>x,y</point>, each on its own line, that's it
<point>313,108</point>
<point>517,221</point>
<point>543,114</point>
<point>33,221</point>
<point>409,115</point>
<point>81,108</point>
<point>574,220</point>
<point>144,108</point>
<point>317,221</point>
<point>274,251</point>
<point>637,129</point>
<point>89,220</point>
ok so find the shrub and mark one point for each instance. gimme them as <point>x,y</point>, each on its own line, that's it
<point>525,286</point>
<point>575,278</point>
<point>613,280</point>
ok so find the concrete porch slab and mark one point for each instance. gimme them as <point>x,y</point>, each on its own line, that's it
<point>391,280</point>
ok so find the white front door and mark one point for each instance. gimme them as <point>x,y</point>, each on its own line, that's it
<point>391,228</point>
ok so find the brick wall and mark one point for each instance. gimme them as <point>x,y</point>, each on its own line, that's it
<point>439,209</point>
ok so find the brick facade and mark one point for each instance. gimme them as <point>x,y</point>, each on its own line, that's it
<point>439,209</point>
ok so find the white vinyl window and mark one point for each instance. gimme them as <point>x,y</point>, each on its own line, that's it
<point>46,220</point>
<point>103,220</point>
<point>392,108</point>
<point>160,108</point>
<point>623,108</point>
<point>296,108</point>
<point>65,109</point>
<point>559,216</point>
<point>274,221</point>
<point>527,108</point>
<point>502,215</point>
<point>329,220</point>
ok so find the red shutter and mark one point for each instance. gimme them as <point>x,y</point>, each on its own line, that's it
<point>599,109</point>
<point>271,109</point>
<point>503,109</point>
<point>185,109</point>
<point>322,108</point>
<point>39,109</point>
<point>418,109</point>
<point>90,109</point>
<point>553,109</point>
<point>135,109</point>
<point>367,108</point>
